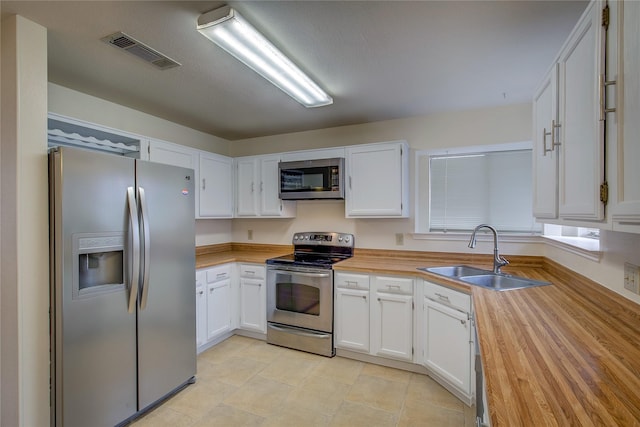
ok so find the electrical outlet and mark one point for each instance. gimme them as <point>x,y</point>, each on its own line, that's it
<point>249,234</point>
<point>632,278</point>
<point>399,239</point>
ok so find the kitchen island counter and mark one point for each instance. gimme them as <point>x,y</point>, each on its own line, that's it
<point>561,355</point>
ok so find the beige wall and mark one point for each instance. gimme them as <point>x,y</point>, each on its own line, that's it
<point>478,127</point>
<point>25,255</point>
<point>81,106</point>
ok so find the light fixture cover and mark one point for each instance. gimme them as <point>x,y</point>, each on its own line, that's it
<point>226,28</point>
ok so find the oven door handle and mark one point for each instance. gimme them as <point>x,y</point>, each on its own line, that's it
<point>299,332</point>
<point>301,273</point>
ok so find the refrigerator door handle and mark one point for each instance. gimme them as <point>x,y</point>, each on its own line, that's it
<point>144,215</point>
<point>135,232</point>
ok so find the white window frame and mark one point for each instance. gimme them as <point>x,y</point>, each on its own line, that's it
<point>422,220</point>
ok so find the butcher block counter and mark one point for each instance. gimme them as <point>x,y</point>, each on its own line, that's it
<point>567,354</point>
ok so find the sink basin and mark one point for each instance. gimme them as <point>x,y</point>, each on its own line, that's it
<point>456,271</point>
<point>499,282</point>
<point>485,278</point>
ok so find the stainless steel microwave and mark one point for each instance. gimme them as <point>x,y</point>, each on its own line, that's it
<point>312,179</point>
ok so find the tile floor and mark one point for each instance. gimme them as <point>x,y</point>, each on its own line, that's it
<point>247,382</point>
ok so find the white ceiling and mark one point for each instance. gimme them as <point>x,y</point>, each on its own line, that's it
<point>378,59</point>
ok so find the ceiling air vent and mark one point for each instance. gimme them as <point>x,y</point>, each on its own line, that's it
<point>127,43</point>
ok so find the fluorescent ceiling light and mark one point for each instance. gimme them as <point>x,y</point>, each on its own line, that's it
<point>226,28</point>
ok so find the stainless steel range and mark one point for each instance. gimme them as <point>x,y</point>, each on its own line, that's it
<point>300,292</point>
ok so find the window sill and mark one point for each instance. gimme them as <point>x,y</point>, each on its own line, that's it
<point>465,236</point>
<point>588,248</point>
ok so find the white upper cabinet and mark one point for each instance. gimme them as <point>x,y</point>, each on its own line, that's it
<point>173,154</point>
<point>377,180</point>
<point>257,188</point>
<point>213,172</point>
<point>581,169</point>
<point>569,128</point>
<point>324,153</point>
<point>545,152</point>
<point>625,209</point>
<point>215,184</point>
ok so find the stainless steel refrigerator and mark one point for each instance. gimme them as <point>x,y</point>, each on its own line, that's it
<point>122,285</point>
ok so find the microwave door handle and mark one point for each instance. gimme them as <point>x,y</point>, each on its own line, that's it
<point>144,216</point>
<point>135,254</point>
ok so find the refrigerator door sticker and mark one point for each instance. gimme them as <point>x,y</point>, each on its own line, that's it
<point>185,192</point>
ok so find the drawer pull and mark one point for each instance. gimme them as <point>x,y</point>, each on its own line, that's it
<point>221,274</point>
<point>351,283</point>
<point>393,286</point>
<point>364,297</point>
<point>249,272</point>
<point>442,297</point>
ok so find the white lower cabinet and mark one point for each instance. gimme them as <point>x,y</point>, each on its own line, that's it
<point>253,298</point>
<point>214,304</point>
<point>376,321</point>
<point>447,336</point>
<point>352,311</point>
<point>392,317</point>
<point>201,308</point>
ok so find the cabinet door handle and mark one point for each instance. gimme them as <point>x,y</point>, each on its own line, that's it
<point>364,297</point>
<point>603,83</point>
<point>252,187</point>
<point>211,290</point>
<point>261,186</point>
<point>204,183</point>
<point>201,292</point>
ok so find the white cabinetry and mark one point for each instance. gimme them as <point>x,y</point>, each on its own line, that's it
<point>173,154</point>
<point>253,298</point>
<point>448,338</point>
<point>377,180</point>
<point>377,321</point>
<point>219,301</point>
<point>213,175</point>
<point>257,188</point>
<point>545,152</point>
<point>201,308</point>
<point>625,209</point>
<point>573,135</point>
<point>352,311</point>
<point>392,317</point>
<point>215,183</point>
<point>581,128</point>
<point>214,305</point>
<point>324,153</point>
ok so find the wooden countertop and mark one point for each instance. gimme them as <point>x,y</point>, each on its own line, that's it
<point>561,355</point>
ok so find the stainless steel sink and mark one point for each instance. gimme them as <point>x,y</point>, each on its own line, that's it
<point>484,278</point>
<point>500,282</point>
<point>456,271</point>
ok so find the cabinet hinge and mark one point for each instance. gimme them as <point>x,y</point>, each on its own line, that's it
<point>605,17</point>
<point>604,192</point>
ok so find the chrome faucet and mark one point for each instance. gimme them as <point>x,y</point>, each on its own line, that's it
<point>498,260</point>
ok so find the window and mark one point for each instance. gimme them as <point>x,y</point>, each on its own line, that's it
<point>459,189</point>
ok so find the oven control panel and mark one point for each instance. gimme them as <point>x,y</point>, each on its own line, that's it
<point>324,238</point>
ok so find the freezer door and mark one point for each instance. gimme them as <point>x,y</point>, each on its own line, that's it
<point>93,332</point>
<point>166,308</point>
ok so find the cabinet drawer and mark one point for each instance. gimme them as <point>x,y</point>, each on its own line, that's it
<point>393,285</point>
<point>351,281</point>
<point>447,296</point>
<point>252,271</point>
<point>216,274</point>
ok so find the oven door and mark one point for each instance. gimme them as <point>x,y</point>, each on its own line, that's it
<point>300,296</point>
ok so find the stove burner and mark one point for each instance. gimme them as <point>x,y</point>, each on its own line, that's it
<point>317,250</point>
